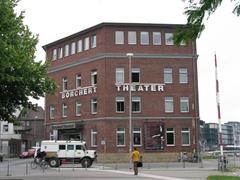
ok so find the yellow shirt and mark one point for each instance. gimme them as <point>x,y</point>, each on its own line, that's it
<point>135,156</point>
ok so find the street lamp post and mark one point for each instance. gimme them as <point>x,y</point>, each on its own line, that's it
<point>130,55</point>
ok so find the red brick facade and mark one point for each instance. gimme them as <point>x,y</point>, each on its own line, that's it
<point>175,127</point>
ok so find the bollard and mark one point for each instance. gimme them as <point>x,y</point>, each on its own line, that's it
<point>8,173</point>
<point>116,166</point>
<point>73,165</point>
<point>27,168</point>
<point>85,163</point>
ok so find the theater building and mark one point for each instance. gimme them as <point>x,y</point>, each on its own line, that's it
<point>124,85</point>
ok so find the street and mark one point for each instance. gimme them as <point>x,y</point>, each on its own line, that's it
<point>19,169</point>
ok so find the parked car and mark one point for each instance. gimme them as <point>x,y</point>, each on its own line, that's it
<point>1,157</point>
<point>27,154</point>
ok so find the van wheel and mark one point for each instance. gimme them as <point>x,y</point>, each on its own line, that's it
<point>54,162</point>
<point>86,162</point>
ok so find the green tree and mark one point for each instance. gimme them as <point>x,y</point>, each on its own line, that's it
<point>197,13</point>
<point>20,76</point>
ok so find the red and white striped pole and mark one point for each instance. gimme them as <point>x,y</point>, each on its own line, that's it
<point>218,108</point>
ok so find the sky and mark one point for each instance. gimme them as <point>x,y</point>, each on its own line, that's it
<point>55,19</point>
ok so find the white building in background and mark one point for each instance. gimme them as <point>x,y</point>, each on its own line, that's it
<point>8,138</point>
<point>236,132</point>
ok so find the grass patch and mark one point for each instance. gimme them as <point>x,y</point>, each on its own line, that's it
<point>210,157</point>
<point>223,178</point>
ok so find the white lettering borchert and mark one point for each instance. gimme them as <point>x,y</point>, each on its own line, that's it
<point>141,87</point>
<point>79,92</point>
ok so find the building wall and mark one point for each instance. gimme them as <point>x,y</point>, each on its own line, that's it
<point>105,58</point>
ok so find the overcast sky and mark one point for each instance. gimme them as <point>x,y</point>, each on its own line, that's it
<point>55,19</point>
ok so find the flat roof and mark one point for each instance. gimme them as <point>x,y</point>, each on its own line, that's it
<point>111,24</point>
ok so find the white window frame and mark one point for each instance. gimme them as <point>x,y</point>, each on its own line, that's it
<point>120,99</point>
<point>54,54</point>
<point>93,138</point>
<point>119,37</point>
<point>183,75</point>
<point>5,128</point>
<point>73,48</point>
<point>120,131</point>
<point>132,37</point>
<point>137,131</point>
<point>172,131</point>
<point>78,82</point>
<point>64,110</point>
<point>66,50</point>
<point>156,38</point>
<point>185,132</point>
<point>64,83</point>
<point>136,99</point>
<point>93,41</point>
<point>144,35</point>
<point>119,75</point>
<point>135,70</point>
<point>168,75</point>
<point>78,108</point>
<point>60,53</point>
<point>169,104</point>
<point>169,39</point>
<point>93,77</point>
<point>52,112</point>
<point>86,43</point>
<point>94,105</point>
<point>184,104</point>
<point>80,46</point>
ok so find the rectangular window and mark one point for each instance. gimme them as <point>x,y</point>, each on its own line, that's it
<point>168,104</point>
<point>78,108</point>
<point>60,53</point>
<point>157,38</point>
<point>73,48</point>
<point>93,41</point>
<point>64,83</point>
<point>132,37</point>
<point>144,38</point>
<point>78,80</point>
<point>64,110</point>
<point>183,75</point>
<point>168,75</point>
<point>136,104</point>
<point>54,54</point>
<point>93,137</point>
<point>94,106</point>
<point>66,50</point>
<point>62,147</point>
<point>52,112</point>
<point>86,43</point>
<point>119,75</point>
<point>184,104</point>
<point>119,37</point>
<point>119,104</point>
<point>135,75</point>
<point>120,137</point>
<point>137,136</point>
<point>94,77</point>
<point>80,46</point>
<point>185,137</point>
<point>70,147</point>
<point>169,39</point>
<point>170,137</point>
<point>5,128</point>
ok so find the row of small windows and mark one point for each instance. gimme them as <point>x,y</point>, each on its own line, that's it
<point>167,74</point>
<point>137,137</point>
<point>120,106</point>
<point>144,38</point>
<point>70,49</point>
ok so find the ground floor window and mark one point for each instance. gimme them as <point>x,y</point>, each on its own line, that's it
<point>137,137</point>
<point>185,136</point>
<point>120,137</point>
<point>93,137</point>
<point>170,136</point>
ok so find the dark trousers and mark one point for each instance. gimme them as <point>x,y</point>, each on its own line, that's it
<point>135,168</point>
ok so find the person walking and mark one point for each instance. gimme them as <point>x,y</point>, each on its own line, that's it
<point>135,160</point>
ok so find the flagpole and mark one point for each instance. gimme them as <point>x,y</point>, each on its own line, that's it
<point>218,109</point>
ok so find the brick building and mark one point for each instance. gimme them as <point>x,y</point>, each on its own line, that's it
<point>91,68</point>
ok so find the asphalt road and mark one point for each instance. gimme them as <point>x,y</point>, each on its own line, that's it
<point>19,169</point>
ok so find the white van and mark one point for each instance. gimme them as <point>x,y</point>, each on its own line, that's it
<point>59,150</point>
